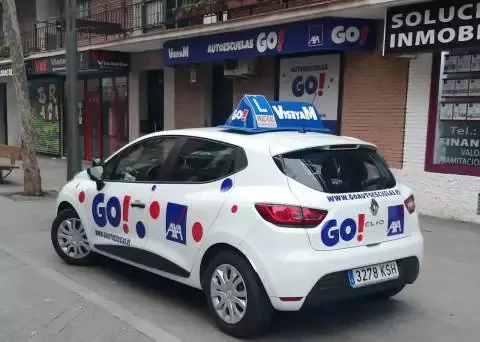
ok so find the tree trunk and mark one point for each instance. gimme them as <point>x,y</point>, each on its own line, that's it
<point>31,171</point>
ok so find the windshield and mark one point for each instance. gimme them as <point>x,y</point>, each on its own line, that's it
<point>337,170</point>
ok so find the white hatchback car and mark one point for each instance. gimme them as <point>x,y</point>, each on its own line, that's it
<point>263,213</point>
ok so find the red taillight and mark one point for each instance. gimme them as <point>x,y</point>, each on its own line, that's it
<point>410,204</point>
<point>286,215</point>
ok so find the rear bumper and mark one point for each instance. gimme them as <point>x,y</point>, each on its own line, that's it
<point>309,277</point>
<point>335,286</point>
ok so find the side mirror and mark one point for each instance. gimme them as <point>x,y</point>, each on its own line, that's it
<point>97,162</point>
<point>96,174</point>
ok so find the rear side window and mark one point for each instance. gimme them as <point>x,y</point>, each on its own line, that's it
<point>337,170</point>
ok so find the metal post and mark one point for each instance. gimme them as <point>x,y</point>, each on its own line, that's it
<point>74,162</point>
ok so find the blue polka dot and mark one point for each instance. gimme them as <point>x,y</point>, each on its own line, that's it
<point>226,185</point>
<point>154,187</point>
<point>140,230</point>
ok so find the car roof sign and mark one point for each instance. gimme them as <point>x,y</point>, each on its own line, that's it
<point>255,114</point>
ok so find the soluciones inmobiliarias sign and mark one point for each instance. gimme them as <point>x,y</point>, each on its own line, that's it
<point>432,26</point>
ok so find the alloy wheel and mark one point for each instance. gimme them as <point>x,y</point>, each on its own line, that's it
<point>228,293</point>
<point>72,238</point>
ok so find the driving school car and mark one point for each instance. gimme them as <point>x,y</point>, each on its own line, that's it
<point>268,212</point>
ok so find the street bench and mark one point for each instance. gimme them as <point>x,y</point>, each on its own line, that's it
<point>9,155</point>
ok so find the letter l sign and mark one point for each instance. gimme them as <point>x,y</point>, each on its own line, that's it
<point>260,109</point>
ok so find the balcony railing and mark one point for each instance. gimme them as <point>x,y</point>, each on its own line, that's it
<point>121,19</point>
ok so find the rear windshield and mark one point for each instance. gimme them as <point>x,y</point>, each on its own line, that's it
<point>337,170</point>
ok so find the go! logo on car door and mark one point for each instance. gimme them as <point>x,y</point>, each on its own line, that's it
<point>332,233</point>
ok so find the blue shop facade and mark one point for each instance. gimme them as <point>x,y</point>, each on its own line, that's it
<point>300,61</point>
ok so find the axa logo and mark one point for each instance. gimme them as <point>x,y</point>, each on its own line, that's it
<point>333,231</point>
<point>182,53</point>
<point>240,114</point>
<point>396,220</point>
<point>176,223</point>
<point>315,35</point>
<point>267,41</point>
<point>174,231</point>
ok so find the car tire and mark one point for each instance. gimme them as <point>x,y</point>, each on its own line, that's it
<point>72,250</point>
<point>258,312</point>
<point>385,294</point>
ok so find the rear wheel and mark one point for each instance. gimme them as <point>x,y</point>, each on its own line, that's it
<point>70,239</point>
<point>236,296</point>
<point>385,294</point>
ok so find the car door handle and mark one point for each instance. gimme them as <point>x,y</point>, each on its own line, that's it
<point>137,204</point>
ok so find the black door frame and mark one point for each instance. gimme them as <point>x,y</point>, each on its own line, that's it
<point>155,101</point>
<point>3,91</point>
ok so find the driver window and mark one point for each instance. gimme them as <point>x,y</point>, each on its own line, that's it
<point>141,162</point>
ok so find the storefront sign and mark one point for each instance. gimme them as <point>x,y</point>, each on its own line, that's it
<point>326,34</point>
<point>432,26</point>
<point>6,71</point>
<point>313,79</point>
<point>87,61</point>
<point>105,60</point>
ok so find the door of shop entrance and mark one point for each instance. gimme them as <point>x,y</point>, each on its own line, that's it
<point>93,125</point>
<point>222,96</point>
<point>155,99</point>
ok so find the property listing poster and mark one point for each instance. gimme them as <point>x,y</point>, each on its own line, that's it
<point>313,79</point>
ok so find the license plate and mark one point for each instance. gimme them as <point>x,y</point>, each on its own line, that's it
<point>373,274</point>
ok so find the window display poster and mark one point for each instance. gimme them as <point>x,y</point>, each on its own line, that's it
<point>459,111</point>
<point>475,63</point>
<point>450,64</point>
<point>473,111</point>
<point>448,88</point>
<point>463,63</point>
<point>446,111</point>
<point>458,143</point>
<point>461,87</point>
<point>474,88</point>
<point>313,79</point>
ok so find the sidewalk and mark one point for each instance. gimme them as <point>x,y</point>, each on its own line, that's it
<point>34,308</point>
<point>52,170</point>
<point>38,303</point>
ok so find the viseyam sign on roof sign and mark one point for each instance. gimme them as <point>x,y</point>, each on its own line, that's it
<point>432,26</point>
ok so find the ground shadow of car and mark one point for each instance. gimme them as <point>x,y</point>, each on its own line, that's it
<point>329,322</point>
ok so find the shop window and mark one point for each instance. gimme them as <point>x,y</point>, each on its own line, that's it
<point>453,143</point>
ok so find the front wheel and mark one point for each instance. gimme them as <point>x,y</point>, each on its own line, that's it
<point>69,239</point>
<point>236,296</point>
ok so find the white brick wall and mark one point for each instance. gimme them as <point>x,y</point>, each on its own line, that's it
<point>442,195</point>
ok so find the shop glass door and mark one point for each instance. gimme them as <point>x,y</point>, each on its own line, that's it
<point>115,113</point>
<point>93,125</point>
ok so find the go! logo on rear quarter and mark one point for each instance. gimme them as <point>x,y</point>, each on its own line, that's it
<point>333,232</point>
